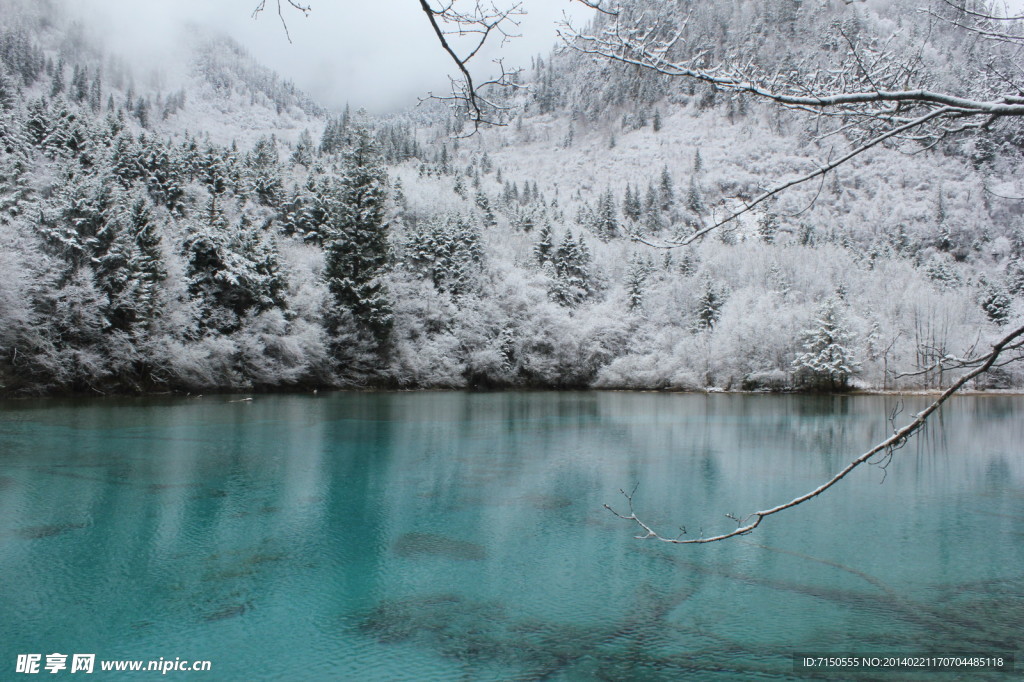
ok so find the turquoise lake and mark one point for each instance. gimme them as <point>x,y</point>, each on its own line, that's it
<point>462,536</point>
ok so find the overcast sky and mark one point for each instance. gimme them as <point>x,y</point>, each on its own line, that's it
<point>378,54</point>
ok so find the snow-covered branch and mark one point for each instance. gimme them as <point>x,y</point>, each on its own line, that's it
<point>875,93</point>
<point>823,90</point>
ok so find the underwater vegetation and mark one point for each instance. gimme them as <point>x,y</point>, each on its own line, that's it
<point>431,544</point>
<point>660,638</point>
<point>480,635</point>
<point>48,530</point>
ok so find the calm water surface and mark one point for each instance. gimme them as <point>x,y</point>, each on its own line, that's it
<point>461,536</point>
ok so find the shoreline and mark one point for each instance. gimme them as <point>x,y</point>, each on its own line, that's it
<point>228,392</point>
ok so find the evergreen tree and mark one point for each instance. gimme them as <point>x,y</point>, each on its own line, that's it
<point>573,283</point>
<point>606,222</point>
<point>1015,276</point>
<point>96,93</point>
<point>996,302</point>
<point>694,197</point>
<point>636,282</point>
<point>651,215</point>
<point>484,204</point>
<point>768,227</point>
<point>631,206</point>
<point>303,152</point>
<point>71,223</point>
<point>141,111</point>
<point>828,360</point>
<point>709,306</point>
<point>263,172</point>
<point>232,270</point>
<point>210,279</point>
<point>448,252</point>
<point>666,193</point>
<point>79,85</point>
<point>544,248</point>
<point>8,92</point>
<point>57,82</point>
<point>312,210</point>
<point>214,171</point>
<point>357,245</point>
<point>807,234</point>
<point>131,270</point>
<point>688,262</point>
<point>941,269</point>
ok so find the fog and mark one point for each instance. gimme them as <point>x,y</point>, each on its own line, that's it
<point>381,55</point>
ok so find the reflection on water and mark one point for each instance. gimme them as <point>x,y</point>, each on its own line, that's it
<point>462,536</point>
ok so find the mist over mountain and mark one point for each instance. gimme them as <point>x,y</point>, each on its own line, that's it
<point>205,225</point>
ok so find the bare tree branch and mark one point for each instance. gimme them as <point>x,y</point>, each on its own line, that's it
<point>641,54</point>
<point>305,9</point>
<point>480,24</point>
<point>978,23</point>
<point>898,439</point>
<point>452,26</point>
<point>962,7</point>
<point>601,7</point>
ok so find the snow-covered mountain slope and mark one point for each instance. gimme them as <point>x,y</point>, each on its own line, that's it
<point>210,227</point>
<point>201,82</point>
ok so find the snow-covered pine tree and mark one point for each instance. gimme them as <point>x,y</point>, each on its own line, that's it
<point>768,227</point>
<point>652,219</point>
<point>631,206</point>
<point>996,301</point>
<point>573,282</point>
<point>688,262</point>
<point>828,361</point>
<point>606,221</point>
<point>357,245</point>
<point>543,250</point>
<point>709,305</point>
<point>694,197</point>
<point>942,270</point>
<point>636,282</point>
<point>131,269</point>
<point>72,220</point>
<point>447,251</point>
<point>486,211</point>
<point>666,191</point>
<point>263,172</point>
<point>57,82</point>
<point>8,90</point>
<point>304,150</point>
<point>232,270</point>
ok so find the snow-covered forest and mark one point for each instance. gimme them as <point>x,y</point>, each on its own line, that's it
<point>216,229</point>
